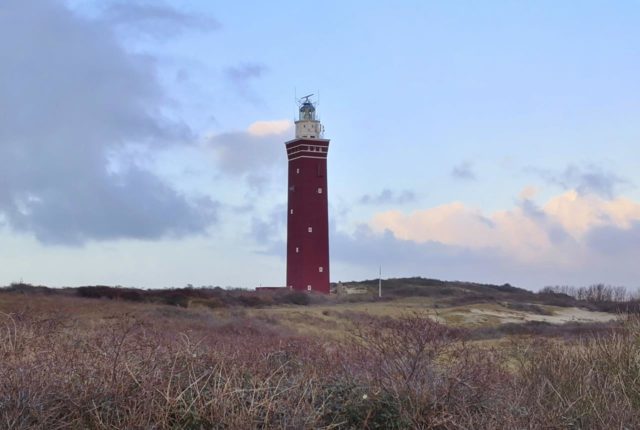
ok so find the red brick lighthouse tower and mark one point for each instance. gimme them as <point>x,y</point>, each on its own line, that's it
<point>308,214</point>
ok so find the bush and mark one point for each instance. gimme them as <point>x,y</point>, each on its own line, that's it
<point>569,330</point>
<point>74,363</point>
<point>528,307</point>
<point>591,383</point>
<point>596,293</point>
<point>297,298</point>
<point>423,375</point>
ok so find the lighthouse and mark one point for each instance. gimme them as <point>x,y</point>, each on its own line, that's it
<point>307,211</point>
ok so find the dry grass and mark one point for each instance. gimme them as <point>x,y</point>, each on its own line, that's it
<point>74,363</point>
<point>334,319</point>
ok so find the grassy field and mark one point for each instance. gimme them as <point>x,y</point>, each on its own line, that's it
<point>333,319</point>
<point>500,359</point>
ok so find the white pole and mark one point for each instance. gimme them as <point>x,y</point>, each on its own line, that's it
<point>380,282</point>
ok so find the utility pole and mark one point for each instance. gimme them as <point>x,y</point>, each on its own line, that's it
<point>380,282</point>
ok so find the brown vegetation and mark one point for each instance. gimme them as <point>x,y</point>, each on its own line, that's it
<point>68,362</point>
<point>606,298</point>
<point>597,297</point>
<point>596,293</point>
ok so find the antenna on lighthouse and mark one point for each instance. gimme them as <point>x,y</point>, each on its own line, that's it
<point>305,99</point>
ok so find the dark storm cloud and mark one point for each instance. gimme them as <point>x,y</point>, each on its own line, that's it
<point>463,171</point>
<point>388,196</point>
<point>133,205</point>
<point>156,18</point>
<point>591,179</point>
<point>70,100</point>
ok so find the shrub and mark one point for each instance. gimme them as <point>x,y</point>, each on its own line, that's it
<point>590,383</point>
<point>74,363</point>
<point>297,298</point>
<point>423,374</point>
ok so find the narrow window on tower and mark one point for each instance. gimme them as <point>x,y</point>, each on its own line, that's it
<point>297,171</point>
<point>320,269</point>
<point>310,229</point>
<point>291,212</point>
<point>297,250</point>
<point>320,170</point>
<point>308,287</point>
<point>320,190</point>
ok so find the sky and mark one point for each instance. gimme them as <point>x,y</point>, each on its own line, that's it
<point>142,142</point>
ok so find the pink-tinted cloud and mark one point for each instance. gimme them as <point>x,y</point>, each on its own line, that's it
<point>567,233</point>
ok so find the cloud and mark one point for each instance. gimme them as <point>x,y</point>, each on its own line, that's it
<point>572,239</point>
<point>265,128</point>
<point>367,247</point>
<point>134,205</point>
<point>242,75</point>
<point>579,214</point>
<point>258,149</point>
<point>269,232</point>
<point>400,258</point>
<point>388,196</point>
<point>155,18</point>
<point>528,192</point>
<point>620,242</point>
<point>526,232</point>
<point>590,179</point>
<point>245,72</point>
<point>73,100</point>
<point>464,171</point>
